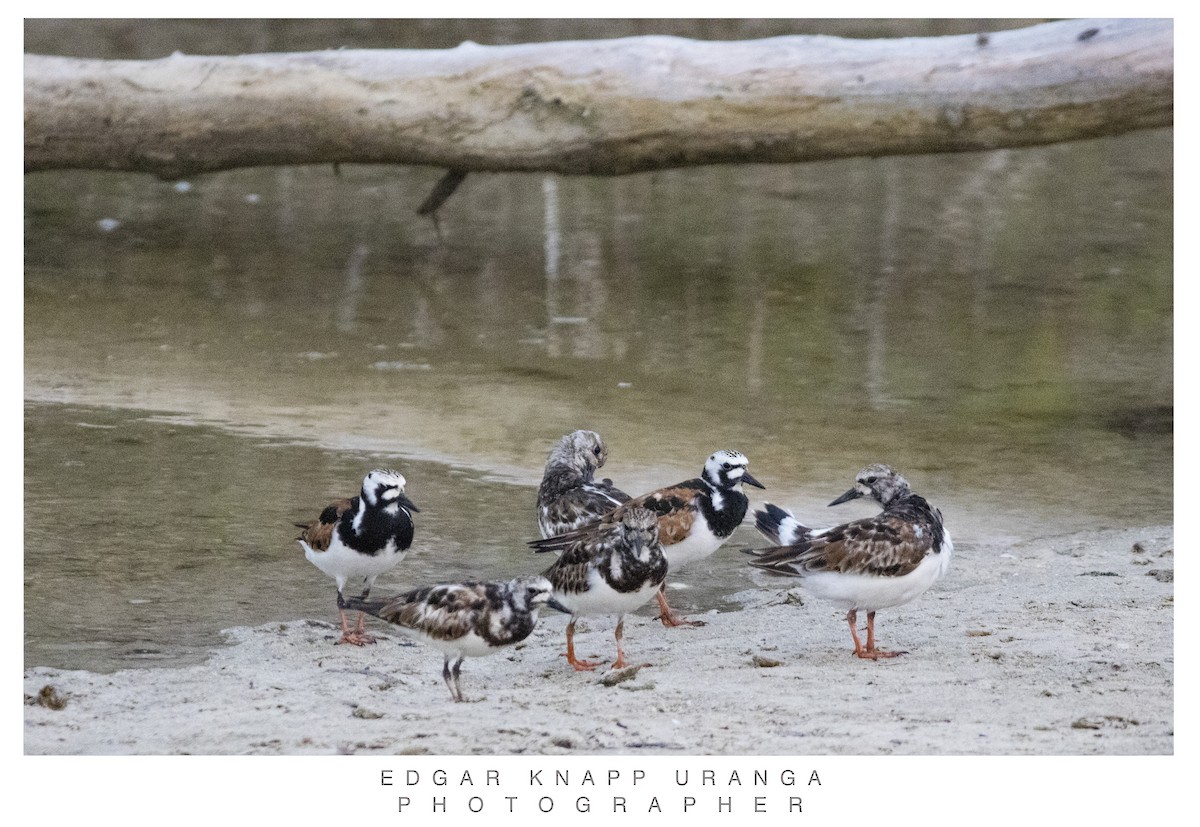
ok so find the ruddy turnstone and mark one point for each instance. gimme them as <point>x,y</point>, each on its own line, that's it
<point>570,496</point>
<point>695,518</point>
<point>874,563</point>
<point>360,538</point>
<point>465,620</point>
<point>612,571</point>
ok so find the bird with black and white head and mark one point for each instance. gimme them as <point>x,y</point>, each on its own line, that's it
<point>355,540</point>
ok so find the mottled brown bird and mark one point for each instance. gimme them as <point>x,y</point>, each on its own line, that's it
<point>874,563</point>
<point>570,496</point>
<point>465,620</point>
<point>613,571</point>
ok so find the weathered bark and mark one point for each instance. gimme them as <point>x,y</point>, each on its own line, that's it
<point>606,107</point>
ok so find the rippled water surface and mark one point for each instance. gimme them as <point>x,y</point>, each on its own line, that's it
<point>209,361</point>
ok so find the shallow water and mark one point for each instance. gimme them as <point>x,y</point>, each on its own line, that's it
<point>207,363</point>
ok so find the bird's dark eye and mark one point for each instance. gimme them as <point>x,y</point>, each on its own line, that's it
<point>726,466</point>
<point>869,480</point>
<point>596,450</point>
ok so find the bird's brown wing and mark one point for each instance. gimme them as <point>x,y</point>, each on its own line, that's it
<point>880,546</point>
<point>444,612</point>
<point>319,533</point>
<point>675,508</point>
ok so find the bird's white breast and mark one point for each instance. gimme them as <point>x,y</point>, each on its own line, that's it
<point>601,598</point>
<point>699,543</point>
<point>346,565</point>
<point>469,645</point>
<point>871,592</point>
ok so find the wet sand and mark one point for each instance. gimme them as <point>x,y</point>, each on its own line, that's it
<point>1059,645</point>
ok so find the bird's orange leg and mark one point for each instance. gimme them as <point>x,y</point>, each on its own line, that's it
<point>580,665</point>
<point>852,619</point>
<point>620,662</point>
<point>349,635</point>
<point>360,631</point>
<point>872,652</point>
<point>358,636</point>
<point>668,616</point>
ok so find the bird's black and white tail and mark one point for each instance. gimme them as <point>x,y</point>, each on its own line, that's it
<point>779,526</point>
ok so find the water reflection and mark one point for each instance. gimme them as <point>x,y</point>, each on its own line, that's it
<point>940,288</point>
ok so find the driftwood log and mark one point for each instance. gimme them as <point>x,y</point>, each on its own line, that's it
<point>605,107</point>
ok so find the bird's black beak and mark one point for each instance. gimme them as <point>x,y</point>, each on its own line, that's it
<point>749,480</point>
<point>852,494</point>
<point>406,502</point>
<point>554,604</point>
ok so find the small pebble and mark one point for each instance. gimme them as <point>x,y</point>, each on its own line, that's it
<point>620,676</point>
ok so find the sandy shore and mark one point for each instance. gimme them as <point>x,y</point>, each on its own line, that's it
<point>1060,645</point>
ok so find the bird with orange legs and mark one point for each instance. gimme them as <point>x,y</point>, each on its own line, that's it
<point>613,571</point>
<point>869,564</point>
